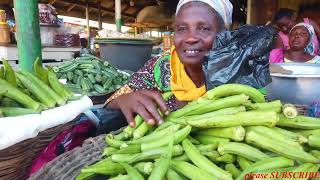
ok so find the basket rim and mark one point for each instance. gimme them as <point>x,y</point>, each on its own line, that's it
<point>62,164</point>
<point>19,157</point>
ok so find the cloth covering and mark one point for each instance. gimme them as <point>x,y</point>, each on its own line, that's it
<point>223,7</point>
<point>29,126</point>
<point>64,142</point>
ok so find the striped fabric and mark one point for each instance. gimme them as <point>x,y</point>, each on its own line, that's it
<point>223,7</point>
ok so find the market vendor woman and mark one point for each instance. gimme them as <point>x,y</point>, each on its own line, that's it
<point>197,23</point>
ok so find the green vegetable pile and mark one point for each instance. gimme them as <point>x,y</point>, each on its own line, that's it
<point>228,134</point>
<point>90,75</point>
<point>24,93</point>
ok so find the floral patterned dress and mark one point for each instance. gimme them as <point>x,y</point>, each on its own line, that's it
<point>154,75</point>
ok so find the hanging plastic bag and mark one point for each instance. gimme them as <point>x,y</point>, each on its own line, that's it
<point>240,56</point>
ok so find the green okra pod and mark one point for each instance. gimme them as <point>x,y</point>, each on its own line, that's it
<point>234,89</point>
<point>202,162</point>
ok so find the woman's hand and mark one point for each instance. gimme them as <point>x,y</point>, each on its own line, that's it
<point>142,102</point>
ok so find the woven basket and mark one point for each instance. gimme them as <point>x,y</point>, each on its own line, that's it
<point>68,165</point>
<point>16,160</point>
<point>302,109</point>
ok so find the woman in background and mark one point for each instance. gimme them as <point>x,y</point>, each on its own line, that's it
<point>300,37</point>
<point>285,20</point>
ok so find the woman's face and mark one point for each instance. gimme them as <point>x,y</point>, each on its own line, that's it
<point>299,38</point>
<point>195,28</point>
<point>285,24</point>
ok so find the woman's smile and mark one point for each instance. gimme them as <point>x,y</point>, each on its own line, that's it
<point>194,35</point>
<point>193,53</point>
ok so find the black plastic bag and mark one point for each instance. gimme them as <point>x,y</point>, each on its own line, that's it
<point>110,120</point>
<point>240,56</point>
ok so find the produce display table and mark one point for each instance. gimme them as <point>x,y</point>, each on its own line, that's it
<point>50,55</point>
<point>227,141</point>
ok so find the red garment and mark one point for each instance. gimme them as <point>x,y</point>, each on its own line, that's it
<point>64,142</point>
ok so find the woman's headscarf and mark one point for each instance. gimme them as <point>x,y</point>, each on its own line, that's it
<point>311,46</point>
<point>223,7</point>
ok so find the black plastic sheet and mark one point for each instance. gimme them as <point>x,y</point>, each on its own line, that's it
<point>240,56</point>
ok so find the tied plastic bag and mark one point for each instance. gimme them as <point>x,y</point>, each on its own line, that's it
<point>240,56</point>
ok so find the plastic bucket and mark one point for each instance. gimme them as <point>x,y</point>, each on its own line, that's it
<point>125,54</point>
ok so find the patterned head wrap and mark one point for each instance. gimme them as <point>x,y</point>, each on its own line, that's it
<point>223,7</point>
<point>310,47</point>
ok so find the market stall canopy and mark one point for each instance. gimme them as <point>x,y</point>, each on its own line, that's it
<point>153,16</point>
<point>129,8</point>
<point>134,12</point>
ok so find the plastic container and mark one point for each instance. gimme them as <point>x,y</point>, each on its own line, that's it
<point>167,41</point>
<point>125,54</point>
<point>4,33</point>
<point>2,15</point>
<point>47,34</point>
<point>301,86</point>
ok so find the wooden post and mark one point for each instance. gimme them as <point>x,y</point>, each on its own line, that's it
<point>118,15</point>
<point>254,15</point>
<point>28,31</point>
<point>135,31</point>
<point>249,11</point>
<point>88,23</point>
<point>99,15</point>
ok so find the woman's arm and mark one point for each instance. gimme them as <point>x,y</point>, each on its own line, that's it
<point>276,55</point>
<point>140,96</point>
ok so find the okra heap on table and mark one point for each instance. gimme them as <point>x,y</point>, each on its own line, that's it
<point>227,134</point>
